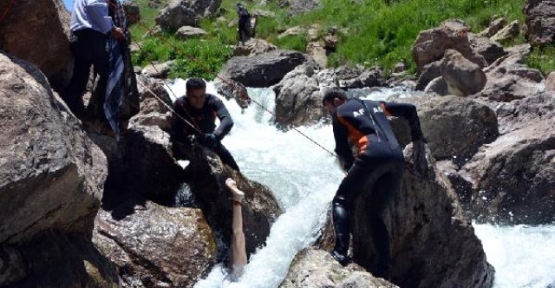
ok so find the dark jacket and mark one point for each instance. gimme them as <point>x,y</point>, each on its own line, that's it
<point>362,121</point>
<point>204,118</point>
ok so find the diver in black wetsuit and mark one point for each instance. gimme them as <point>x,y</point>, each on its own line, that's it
<point>201,109</point>
<point>378,165</point>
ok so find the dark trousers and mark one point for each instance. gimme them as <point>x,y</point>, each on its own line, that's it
<point>243,30</point>
<point>89,49</point>
<point>380,170</point>
<point>225,156</point>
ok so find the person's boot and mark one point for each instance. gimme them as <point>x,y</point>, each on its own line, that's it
<point>238,195</point>
<point>341,258</point>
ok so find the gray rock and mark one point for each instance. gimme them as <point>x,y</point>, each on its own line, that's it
<point>132,12</point>
<point>153,245</point>
<point>157,70</point>
<point>489,49</point>
<point>252,47</point>
<point>550,82</point>
<point>188,32</point>
<point>514,177</point>
<point>430,45</point>
<point>432,243</point>
<point>51,174</point>
<point>298,99</point>
<point>429,72</point>
<point>507,33</point>
<point>494,27</point>
<point>179,13</point>
<point>455,127</point>
<point>51,54</point>
<point>462,76</point>
<point>54,253</point>
<point>437,86</point>
<point>313,268</point>
<point>262,70</point>
<point>519,114</point>
<point>540,22</point>
<point>206,175</point>
<point>295,7</point>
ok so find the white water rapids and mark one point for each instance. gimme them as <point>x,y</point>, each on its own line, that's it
<point>303,177</point>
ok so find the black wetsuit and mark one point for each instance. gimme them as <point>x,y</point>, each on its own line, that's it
<point>204,119</point>
<point>378,166</point>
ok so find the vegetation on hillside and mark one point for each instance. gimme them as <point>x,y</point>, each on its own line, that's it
<point>372,32</point>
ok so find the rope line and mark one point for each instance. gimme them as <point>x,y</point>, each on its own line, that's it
<point>225,81</point>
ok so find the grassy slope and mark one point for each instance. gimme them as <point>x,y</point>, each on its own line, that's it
<point>375,33</point>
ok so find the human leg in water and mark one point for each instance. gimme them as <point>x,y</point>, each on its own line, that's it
<point>238,250</point>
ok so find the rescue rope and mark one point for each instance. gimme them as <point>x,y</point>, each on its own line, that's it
<point>225,81</point>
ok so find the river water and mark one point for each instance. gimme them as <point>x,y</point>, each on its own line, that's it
<point>304,177</point>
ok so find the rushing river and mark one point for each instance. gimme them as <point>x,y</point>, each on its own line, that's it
<point>304,178</point>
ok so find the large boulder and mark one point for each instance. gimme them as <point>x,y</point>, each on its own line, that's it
<point>22,34</point>
<point>156,246</point>
<point>298,98</point>
<point>454,127</point>
<point>295,7</point>
<point>462,76</point>
<point>509,78</point>
<point>56,259</point>
<point>432,243</point>
<point>132,12</point>
<point>513,178</point>
<point>313,268</point>
<point>52,177</point>
<point>234,90</point>
<point>179,13</point>
<point>526,112</point>
<point>430,45</point>
<point>252,47</point>
<point>359,77</point>
<point>486,47</point>
<point>188,32</point>
<point>262,70</point>
<point>540,22</point>
<point>52,174</point>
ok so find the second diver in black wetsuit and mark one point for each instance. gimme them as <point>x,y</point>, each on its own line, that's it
<point>378,166</point>
<point>201,109</point>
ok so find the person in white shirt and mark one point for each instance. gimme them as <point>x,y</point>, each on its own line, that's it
<point>90,28</point>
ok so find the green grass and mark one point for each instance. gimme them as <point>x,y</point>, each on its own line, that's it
<point>371,32</point>
<point>542,58</point>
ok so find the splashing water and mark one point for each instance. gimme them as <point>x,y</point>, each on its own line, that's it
<point>522,256</point>
<point>304,178</point>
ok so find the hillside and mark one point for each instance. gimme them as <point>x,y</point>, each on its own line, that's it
<point>371,32</point>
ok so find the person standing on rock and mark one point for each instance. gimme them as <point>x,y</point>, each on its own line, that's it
<point>200,109</point>
<point>244,23</point>
<point>90,28</point>
<point>377,169</point>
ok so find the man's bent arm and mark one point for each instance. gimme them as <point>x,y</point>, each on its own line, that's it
<point>407,111</point>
